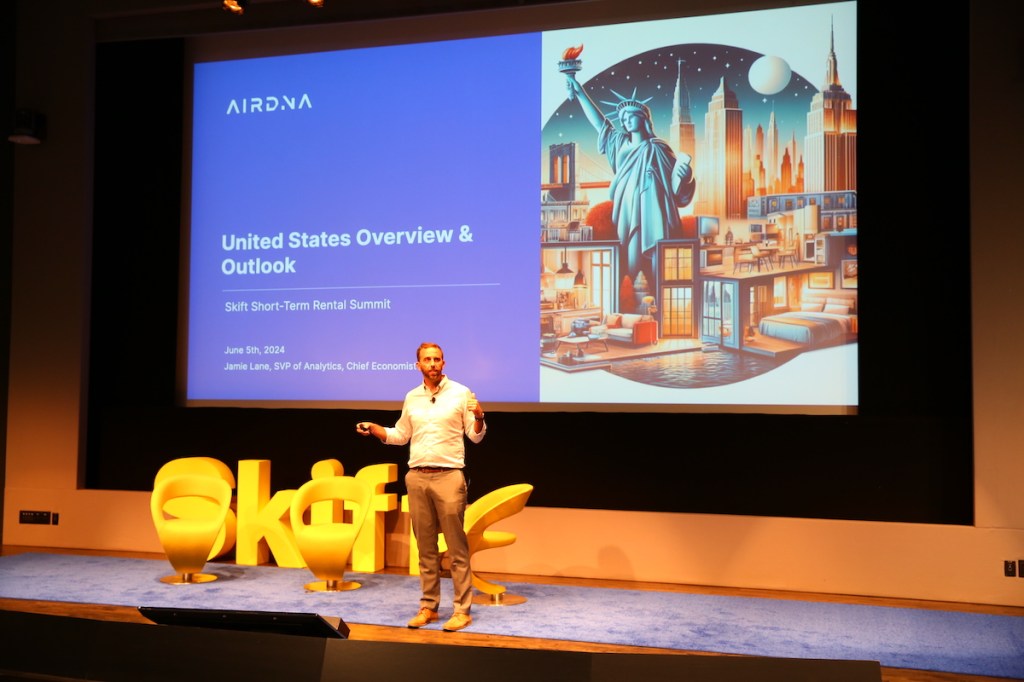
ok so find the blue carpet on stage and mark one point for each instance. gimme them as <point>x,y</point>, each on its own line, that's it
<point>943,641</point>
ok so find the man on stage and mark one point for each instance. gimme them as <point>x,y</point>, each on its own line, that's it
<point>435,417</point>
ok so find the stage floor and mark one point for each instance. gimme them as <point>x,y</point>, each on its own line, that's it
<point>467,638</point>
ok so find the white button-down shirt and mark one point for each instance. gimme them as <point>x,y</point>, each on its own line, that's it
<point>434,425</point>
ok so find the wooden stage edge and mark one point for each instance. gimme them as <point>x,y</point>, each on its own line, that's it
<point>83,628</point>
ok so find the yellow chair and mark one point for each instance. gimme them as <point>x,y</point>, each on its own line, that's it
<point>189,532</point>
<point>183,506</point>
<point>486,511</point>
<point>326,546</point>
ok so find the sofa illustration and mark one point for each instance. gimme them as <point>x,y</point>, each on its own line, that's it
<point>628,328</point>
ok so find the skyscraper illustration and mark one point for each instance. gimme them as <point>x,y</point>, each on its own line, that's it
<point>831,142</point>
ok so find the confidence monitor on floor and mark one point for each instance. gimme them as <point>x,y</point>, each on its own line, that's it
<point>303,624</point>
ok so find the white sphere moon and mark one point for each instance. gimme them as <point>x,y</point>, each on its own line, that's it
<point>769,75</point>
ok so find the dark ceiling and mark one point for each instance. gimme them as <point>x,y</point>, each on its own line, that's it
<point>135,19</point>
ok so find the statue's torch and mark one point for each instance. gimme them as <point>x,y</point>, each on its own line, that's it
<point>570,64</point>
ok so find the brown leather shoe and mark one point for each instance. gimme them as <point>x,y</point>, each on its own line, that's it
<point>424,616</point>
<point>457,622</point>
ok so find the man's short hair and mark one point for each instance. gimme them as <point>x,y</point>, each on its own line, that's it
<point>423,346</point>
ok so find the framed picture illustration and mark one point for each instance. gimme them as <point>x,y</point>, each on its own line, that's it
<point>820,280</point>
<point>849,270</point>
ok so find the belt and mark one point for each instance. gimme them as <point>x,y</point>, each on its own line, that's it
<point>433,470</point>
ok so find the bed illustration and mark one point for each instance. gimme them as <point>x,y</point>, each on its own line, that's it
<point>818,322</point>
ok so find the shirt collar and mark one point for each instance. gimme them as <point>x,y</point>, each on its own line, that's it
<point>440,387</point>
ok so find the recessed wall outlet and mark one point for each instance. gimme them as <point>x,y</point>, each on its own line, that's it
<point>1020,568</point>
<point>35,517</point>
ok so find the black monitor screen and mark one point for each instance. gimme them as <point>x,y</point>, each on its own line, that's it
<point>305,624</point>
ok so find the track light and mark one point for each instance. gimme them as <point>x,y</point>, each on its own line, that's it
<point>235,6</point>
<point>238,6</point>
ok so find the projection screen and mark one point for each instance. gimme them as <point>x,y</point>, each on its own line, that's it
<point>652,215</point>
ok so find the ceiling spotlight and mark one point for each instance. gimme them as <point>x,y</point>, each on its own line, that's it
<point>315,3</point>
<point>235,6</point>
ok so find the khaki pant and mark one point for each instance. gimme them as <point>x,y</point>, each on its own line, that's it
<point>437,504</point>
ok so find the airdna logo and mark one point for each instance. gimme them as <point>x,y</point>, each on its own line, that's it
<point>268,105</point>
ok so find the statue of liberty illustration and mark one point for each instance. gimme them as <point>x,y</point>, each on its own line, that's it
<point>650,182</point>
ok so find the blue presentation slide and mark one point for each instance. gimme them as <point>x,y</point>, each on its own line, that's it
<point>347,206</point>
